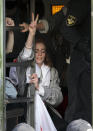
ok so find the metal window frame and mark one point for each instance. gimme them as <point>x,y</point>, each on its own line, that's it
<point>2,66</point>
<point>92,56</point>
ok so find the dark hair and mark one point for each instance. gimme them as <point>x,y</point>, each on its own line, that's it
<point>47,60</point>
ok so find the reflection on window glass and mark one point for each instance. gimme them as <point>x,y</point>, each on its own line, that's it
<point>56,8</point>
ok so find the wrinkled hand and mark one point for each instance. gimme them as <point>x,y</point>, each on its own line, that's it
<point>9,22</point>
<point>33,24</point>
<point>34,80</point>
<point>25,25</point>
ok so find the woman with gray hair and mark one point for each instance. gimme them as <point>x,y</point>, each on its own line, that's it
<point>23,127</point>
<point>79,125</point>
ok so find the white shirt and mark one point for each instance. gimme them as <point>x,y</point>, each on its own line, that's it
<point>45,72</point>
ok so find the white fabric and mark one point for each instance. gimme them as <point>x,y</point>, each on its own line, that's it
<point>46,75</point>
<point>38,70</point>
<point>26,53</point>
<point>45,79</point>
<point>43,121</point>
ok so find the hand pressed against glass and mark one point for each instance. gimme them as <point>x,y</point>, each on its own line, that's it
<point>34,80</point>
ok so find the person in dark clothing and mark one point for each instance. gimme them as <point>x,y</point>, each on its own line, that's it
<point>76,29</point>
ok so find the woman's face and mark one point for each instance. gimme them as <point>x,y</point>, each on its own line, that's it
<point>40,53</point>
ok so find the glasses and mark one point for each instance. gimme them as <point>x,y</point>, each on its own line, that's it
<point>40,51</point>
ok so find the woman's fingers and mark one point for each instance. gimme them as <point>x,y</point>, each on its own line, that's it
<point>34,80</point>
<point>37,17</point>
<point>33,24</point>
<point>34,75</point>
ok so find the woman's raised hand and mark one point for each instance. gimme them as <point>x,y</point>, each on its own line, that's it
<point>32,31</point>
<point>33,24</point>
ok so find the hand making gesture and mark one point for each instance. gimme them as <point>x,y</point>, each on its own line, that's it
<point>32,31</point>
<point>34,80</point>
<point>33,24</point>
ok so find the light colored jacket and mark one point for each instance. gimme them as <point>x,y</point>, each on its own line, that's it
<point>52,94</point>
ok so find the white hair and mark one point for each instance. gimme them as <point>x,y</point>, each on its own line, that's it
<point>79,125</point>
<point>23,127</point>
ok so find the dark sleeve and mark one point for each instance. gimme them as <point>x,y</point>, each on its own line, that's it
<point>56,20</point>
<point>77,10</point>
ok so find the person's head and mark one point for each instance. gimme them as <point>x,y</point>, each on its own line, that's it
<point>23,127</point>
<point>41,55</point>
<point>79,125</point>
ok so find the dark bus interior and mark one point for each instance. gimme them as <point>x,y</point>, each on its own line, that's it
<point>59,50</point>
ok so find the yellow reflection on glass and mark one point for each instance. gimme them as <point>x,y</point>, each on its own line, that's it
<point>56,8</point>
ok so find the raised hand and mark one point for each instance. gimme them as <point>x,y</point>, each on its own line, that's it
<point>9,22</point>
<point>34,80</point>
<point>32,31</point>
<point>10,41</point>
<point>26,27</point>
<point>33,24</point>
